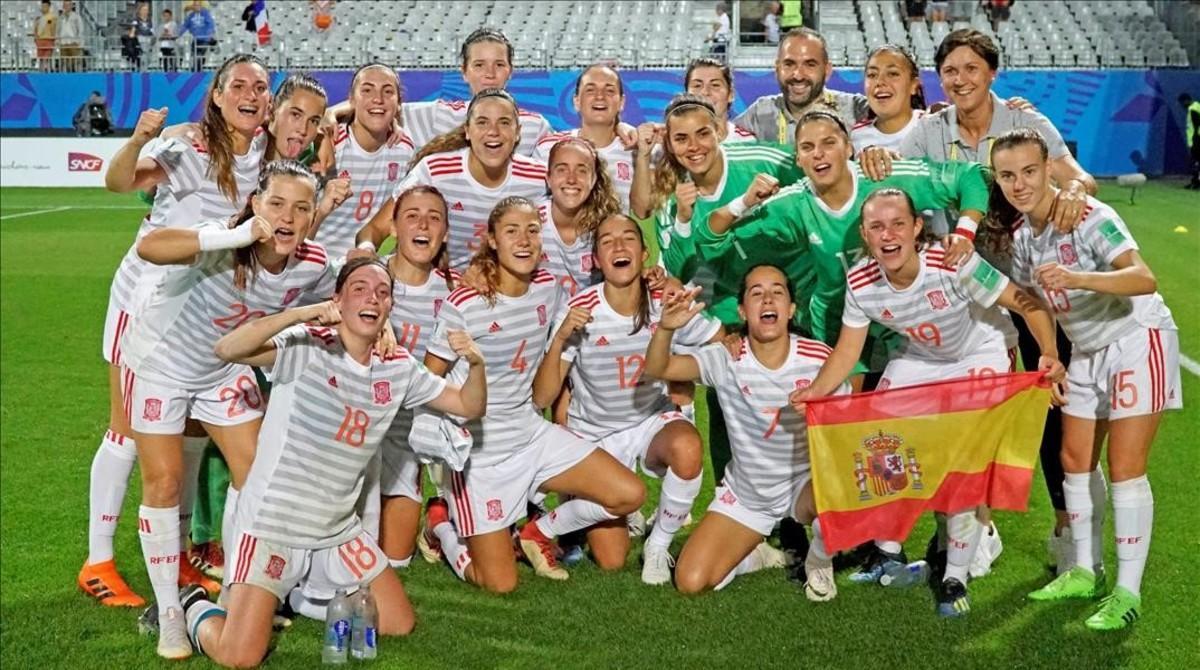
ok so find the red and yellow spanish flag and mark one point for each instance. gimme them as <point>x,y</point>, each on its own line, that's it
<point>879,460</point>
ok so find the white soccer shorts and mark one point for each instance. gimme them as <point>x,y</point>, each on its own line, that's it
<point>401,475</point>
<point>1134,376</point>
<point>903,371</point>
<point>161,409</point>
<point>727,500</point>
<point>629,446</point>
<point>278,568</point>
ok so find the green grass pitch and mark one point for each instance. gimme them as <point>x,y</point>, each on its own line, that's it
<point>56,269</point>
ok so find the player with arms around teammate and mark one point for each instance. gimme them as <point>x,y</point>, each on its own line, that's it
<point>474,166</point>
<point>768,478</point>
<point>192,185</point>
<point>1124,371</point>
<point>951,327</point>
<point>332,399</point>
<point>600,341</point>
<point>516,452</point>
<point>892,84</point>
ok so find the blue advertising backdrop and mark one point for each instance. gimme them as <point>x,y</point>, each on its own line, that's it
<point>1121,120</point>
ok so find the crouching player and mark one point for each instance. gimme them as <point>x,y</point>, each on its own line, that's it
<point>332,400</point>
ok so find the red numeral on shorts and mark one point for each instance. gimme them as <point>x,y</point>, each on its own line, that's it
<point>358,557</point>
<point>353,430</point>
<point>365,200</point>
<point>1058,300</point>
<point>241,314</point>
<point>629,368</point>
<point>518,362</point>
<point>409,335</point>
<point>774,414</point>
<point>927,333</point>
<point>1124,391</point>
<point>981,372</point>
<point>244,393</point>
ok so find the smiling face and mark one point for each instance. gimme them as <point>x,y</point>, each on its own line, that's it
<point>287,204</point>
<point>889,84</point>
<point>890,231</point>
<point>801,68</point>
<point>822,150</point>
<point>365,301</point>
<point>420,227</point>
<point>517,241</point>
<point>486,66</point>
<point>571,175</point>
<point>245,98</point>
<point>709,82</point>
<point>766,305</point>
<point>693,139</point>
<point>620,252</point>
<point>966,78</point>
<point>376,98</point>
<point>295,123</point>
<point>492,132</point>
<point>599,99</point>
<point>1023,175</point>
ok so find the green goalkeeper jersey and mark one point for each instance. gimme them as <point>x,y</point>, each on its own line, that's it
<point>677,241</point>
<point>797,221</point>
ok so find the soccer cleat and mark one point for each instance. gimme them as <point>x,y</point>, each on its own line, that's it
<point>539,551</point>
<point>436,514</point>
<point>572,555</point>
<point>147,623</point>
<point>208,558</point>
<point>820,586</point>
<point>1076,583</point>
<point>173,642</point>
<point>1118,609</point>
<point>952,599</point>
<point>657,563</point>
<point>936,558</point>
<point>986,554</point>
<point>877,565</point>
<point>188,574</point>
<point>102,582</point>
<point>1061,551</point>
<point>636,523</point>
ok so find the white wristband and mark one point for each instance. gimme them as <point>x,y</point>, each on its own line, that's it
<point>737,207</point>
<point>214,239</point>
<point>683,228</point>
<point>966,227</point>
<point>367,245</point>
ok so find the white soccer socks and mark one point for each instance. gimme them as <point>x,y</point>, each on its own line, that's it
<point>1133,517</point>
<point>1086,497</point>
<point>158,528</point>
<point>575,514</point>
<point>229,530</point>
<point>453,548</point>
<point>962,540</point>
<point>111,468</point>
<point>674,504</point>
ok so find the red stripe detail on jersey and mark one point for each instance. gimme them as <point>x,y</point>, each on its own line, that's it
<point>1157,399</point>
<point>939,266</point>
<point>523,112</point>
<point>738,130</point>
<point>862,124</point>
<point>804,343</point>
<point>453,104</point>
<point>444,171</point>
<point>865,281</point>
<point>869,267</point>
<point>460,295</point>
<point>322,333</point>
<point>444,159</point>
<point>343,134</point>
<point>935,253</point>
<point>541,276</point>
<point>199,148</point>
<point>462,503</point>
<point>528,172</point>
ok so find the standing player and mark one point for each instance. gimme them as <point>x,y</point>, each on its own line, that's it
<point>892,83</point>
<point>318,438</point>
<point>191,184</point>
<point>1123,375</point>
<point>768,479</point>
<point>474,166</point>
<point>601,342</point>
<point>599,99</point>
<point>713,80</point>
<point>952,329</point>
<point>516,452</point>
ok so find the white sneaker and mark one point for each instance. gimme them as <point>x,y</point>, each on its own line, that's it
<point>656,565</point>
<point>1061,550</point>
<point>989,550</point>
<point>820,586</point>
<point>767,556</point>
<point>173,642</point>
<point>636,523</point>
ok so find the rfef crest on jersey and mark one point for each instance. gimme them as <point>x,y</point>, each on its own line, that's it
<point>541,312</point>
<point>152,411</point>
<point>393,171</point>
<point>881,470</point>
<point>624,171</point>
<point>588,262</point>
<point>937,299</point>
<point>290,296</point>
<point>495,511</point>
<point>1066,254</point>
<point>437,306</point>
<point>383,392</point>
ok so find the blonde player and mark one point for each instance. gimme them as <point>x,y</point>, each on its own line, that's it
<point>516,452</point>
<point>713,80</point>
<point>332,399</point>
<point>599,100</point>
<point>368,161</point>
<point>600,341</point>
<point>892,84</point>
<point>768,478</point>
<point>1124,371</point>
<point>952,328</point>
<point>474,166</point>
<point>192,185</point>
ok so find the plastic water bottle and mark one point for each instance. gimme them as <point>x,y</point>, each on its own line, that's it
<point>906,575</point>
<point>337,629</point>
<point>363,637</point>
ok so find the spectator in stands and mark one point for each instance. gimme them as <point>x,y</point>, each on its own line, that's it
<point>167,32</point>
<point>199,22</point>
<point>961,10</point>
<point>939,10</point>
<point>770,21</point>
<point>45,30</point>
<point>131,47</point>
<point>92,117</point>
<point>70,36</point>
<point>144,27</point>
<point>719,38</point>
<point>914,10</point>
<point>1192,109</point>
<point>322,14</point>
<point>997,11</point>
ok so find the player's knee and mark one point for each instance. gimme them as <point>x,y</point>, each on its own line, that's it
<point>626,495</point>
<point>687,456</point>
<point>160,489</point>
<point>499,585</point>
<point>610,560</point>
<point>398,626</point>
<point>690,580</point>
<point>242,658</point>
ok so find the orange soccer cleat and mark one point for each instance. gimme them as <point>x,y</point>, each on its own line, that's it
<point>188,574</point>
<point>102,582</point>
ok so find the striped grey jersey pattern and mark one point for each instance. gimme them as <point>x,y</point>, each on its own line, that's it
<point>426,120</point>
<point>944,315</point>
<point>618,162</point>
<point>769,439</point>
<point>573,265</point>
<point>468,201</point>
<point>512,335</point>
<point>192,306</point>
<point>608,393</point>
<point>373,178</point>
<point>324,423</point>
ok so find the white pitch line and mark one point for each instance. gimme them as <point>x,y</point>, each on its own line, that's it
<point>34,213</point>
<point>1189,364</point>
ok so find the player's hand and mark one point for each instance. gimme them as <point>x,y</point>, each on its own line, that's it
<point>958,248</point>
<point>628,136</point>
<point>464,346</point>
<point>149,123</point>
<point>876,163</point>
<point>685,197</point>
<point>576,319</point>
<point>263,230</point>
<point>681,393</point>
<point>1053,371</point>
<point>763,187</point>
<point>1019,104</point>
<point>335,193</point>
<point>649,134</point>
<point>326,314</point>
<point>1066,212</point>
<point>473,278</point>
<point>678,309</point>
<point>733,344</point>
<point>654,277</point>
<point>1052,276</point>
<point>396,134</point>
<point>386,343</point>
<point>800,397</point>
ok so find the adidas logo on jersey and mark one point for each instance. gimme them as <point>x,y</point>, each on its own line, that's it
<point>494,328</point>
<point>602,342</point>
<point>457,207</point>
<point>886,314</point>
<point>814,238</point>
<point>333,382</point>
<point>745,389</point>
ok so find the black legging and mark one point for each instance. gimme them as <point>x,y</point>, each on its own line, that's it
<point>1051,451</point>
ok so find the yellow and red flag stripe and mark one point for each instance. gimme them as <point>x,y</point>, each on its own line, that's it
<point>879,460</point>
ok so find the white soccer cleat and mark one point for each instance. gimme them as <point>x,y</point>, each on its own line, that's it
<point>636,523</point>
<point>1061,551</point>
<point>656,565</point>
<point>820,586</point>
<point>989,550</point>
<point>173,642</point>
<point>766,556</point>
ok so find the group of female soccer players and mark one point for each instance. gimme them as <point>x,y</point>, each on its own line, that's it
<point>519,282</point>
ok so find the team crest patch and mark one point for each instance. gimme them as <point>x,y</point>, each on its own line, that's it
<point>1066,254</point>
<point>291,295</point>
<point>274,568</point>
<point>624,171</point>
<point>393,171</point>
<point>495,511</point>
<point>937,299</point>
<point>152,410</point>
<point>587,263</point>
<point>541,312</point>
<point>881,470</point>
<point>728,498</point>
<point>383,392</point>
<point>803,383</point>
<point>437,307</point>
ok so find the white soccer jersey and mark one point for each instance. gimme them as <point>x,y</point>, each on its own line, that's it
<point>186,199</point>
<point>865,134</point>
<point>735,133</point>
<point>373,178</point>
<point>324,423</point>
<point>468,201</point>
<point>608,393</point>
<point>573,265</point>
<point>618,162</point>
<point>191,306</point>
<point>944,314</point>
<point>1091,320</point>
<point>426,120</point>
<point>769,440</point>
<point>512,335</point>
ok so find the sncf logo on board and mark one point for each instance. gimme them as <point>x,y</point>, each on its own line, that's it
<point>81,162</point>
